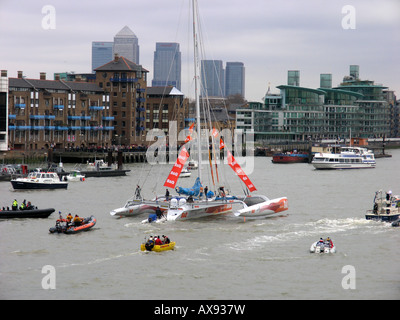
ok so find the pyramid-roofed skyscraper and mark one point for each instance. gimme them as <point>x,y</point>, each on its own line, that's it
<point>126,44</point>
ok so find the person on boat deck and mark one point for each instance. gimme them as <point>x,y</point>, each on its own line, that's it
<point>23,205</point>
<point>206,191</point>
<point>166,239</point>
<point>388,195</point>
<point>159,213</point>
<point>77,220</point>
<point>167,194</point>
<point>190,199</point>
<point>329,242</point>
<point>222,192</point>
<point>69,217</point>
<point>158,241</point>
<point>320,242</point>
<point>150,241</point>
<point>15,204</point>
<point>29,206</point>
<point>137,192</point>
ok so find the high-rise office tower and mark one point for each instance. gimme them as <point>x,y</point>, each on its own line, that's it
<point>294,78</point>
<point>167,65</point>
<point>213,78</point>
<point>126,44</point>
<point>102,53</point>
<point>234,79</point>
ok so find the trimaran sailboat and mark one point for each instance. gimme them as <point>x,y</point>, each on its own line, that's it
<point>195,203</point>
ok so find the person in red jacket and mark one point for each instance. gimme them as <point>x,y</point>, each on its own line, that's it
<point>158,241</point>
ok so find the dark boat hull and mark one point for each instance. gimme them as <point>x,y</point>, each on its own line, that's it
<point>22,185</point>
<point>104,173</point>
<point>289,158</point>
<point>34,213</point>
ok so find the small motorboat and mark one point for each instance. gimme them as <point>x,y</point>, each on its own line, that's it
<point>26,213</point>
<point>74,175</point>
<point>62,226</point>
<point>323,246</point>
<point>185,173</point>
<point>192,165</point>
<point>150,245</point>
<point>39,180</point>
<point>386,207</point>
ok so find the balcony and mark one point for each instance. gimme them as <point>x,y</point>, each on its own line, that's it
<point>49,117</point>
<point>36,117</point>
<point>118,79</point>
<point>74,117</point>
<point>12,116</point>
<point>20,105</point>
<point>58,106</point>
<point>49,127</point>
<point>107,118</point>
<point>23,127</point>
<point>96,108</point>
<point>59,128</point>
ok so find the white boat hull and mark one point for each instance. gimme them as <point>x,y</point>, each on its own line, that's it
<point>343,165</point>
<point>198,210</point>
<point>321,249</point>
<point>137,207</point>
<point>265,208</point>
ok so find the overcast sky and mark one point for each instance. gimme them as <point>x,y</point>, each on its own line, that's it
<point>269,36</point>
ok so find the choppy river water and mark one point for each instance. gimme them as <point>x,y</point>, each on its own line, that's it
<point>215,258</point>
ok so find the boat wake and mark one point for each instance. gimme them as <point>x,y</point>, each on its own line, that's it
<point>295,232</point>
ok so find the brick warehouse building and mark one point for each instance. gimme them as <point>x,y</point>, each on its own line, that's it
<point>112,110</point>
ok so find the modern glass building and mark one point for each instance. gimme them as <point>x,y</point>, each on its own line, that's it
<point>167,65</point>
<point>126,44</point>
<point>235,79</point>
<point>102,53</point>
<point>213,78</point>
<point>356,108</point>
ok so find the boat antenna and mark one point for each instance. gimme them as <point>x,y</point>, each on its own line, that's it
<point>197,82</point>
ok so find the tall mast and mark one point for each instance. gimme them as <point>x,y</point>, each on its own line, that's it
<point>197,81</point>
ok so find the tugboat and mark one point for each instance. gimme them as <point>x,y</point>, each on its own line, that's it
<point>386,207</point>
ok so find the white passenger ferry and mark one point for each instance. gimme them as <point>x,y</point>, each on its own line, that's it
<point>348,158</point>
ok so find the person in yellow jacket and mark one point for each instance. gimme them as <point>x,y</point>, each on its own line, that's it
<point>15,204</point>
<point>77,220</point>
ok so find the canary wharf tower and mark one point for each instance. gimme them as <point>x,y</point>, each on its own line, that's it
<point>126,44</point>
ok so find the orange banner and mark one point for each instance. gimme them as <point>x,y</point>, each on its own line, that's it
<point>177,169</point>
<point>239,171</point>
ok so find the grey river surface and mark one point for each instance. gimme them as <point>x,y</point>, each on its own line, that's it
<point>215,258</point>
